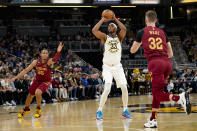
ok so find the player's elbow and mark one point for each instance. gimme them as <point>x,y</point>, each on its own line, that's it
<point>170,55</point>
<point>93,30</point>
<point>124,28</point>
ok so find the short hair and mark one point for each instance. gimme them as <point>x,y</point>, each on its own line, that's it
<point>151,15</point>
<point>113,24</point>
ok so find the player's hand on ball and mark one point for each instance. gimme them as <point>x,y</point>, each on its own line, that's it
<point>114,17</point>
<point>59,48</point>
<point>105,20</point>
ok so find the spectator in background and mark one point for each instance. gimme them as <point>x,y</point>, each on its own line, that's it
<point>52,92</point>
<point>170,86</point>
<point>55,85</point>
<point>84,81</point>
<point>98,84</point>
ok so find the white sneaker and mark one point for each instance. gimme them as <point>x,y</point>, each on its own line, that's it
<point>54,100</point>
<point>8,104</point>
<point>96,96</point>
<point>13,103</point>
<point>76,98</point>
<point>151,124</point>
<point>184,101</point>
<point>43,101</point>
<point>71,99</point>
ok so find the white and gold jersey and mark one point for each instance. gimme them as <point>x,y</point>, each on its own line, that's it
<point>112,51</point>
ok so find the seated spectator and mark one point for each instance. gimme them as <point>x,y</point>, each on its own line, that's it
<point>8,92</point>
<point>170,86</point>
<point>55,85</point>
<point>52,92</point>
<point>84,81</point>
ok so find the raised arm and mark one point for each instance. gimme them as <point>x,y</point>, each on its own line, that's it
<point>100,35</point>
<point>51,61</point>
<point>123,29</point>
<point>25,71</point>
<point>169,49</point>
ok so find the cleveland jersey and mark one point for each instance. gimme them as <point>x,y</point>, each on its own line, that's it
<point>112,51</point>
<point>43,71</point>
<point>154,41</point>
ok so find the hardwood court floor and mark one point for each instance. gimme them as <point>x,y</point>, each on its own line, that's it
<point>80,116</point>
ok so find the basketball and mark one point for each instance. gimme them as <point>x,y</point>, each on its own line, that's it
<point>108,14</point>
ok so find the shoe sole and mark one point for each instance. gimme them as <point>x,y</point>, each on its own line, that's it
<point>99,118</point>
<point>151,127</point>
<point>24,114</point>
<point>37,117</point>
<point>188,105</point>
<point>126,117</point>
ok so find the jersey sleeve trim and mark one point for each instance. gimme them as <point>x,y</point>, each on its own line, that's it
<point>139,35</point>
<point>166,37</point>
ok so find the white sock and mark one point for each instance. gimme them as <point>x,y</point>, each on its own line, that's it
<point>124,96</point>
<point>104,96</point>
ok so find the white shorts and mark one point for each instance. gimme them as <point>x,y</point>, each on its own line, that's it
<point>116,72</point>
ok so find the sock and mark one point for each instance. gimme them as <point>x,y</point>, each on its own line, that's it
<point>26,108</point>
<point>104,96</point>
<point>153,116</point>
<point>38,107</point>
<point>175,98</point>
<point>124,108</point>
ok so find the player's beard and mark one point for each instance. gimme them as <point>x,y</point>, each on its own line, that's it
<point>112,32</point>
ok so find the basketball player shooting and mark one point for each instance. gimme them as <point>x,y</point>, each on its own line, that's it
<point>41,81</point>
<point>158,50</point>
<point>112,68</point>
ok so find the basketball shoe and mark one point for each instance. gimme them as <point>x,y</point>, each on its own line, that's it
<point>184,101</point>
<point>99,115</point>
<point>23,112</point>
<point>126,114</point>
<point>151,124</point>
<point>37,113</point>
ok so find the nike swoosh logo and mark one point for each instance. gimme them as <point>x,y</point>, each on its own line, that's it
<point>183,102</point>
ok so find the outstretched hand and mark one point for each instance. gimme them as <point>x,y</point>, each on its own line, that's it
<point>59,48</point>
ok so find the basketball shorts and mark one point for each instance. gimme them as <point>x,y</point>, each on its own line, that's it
<point>116,72</point>
<point>43,86</point>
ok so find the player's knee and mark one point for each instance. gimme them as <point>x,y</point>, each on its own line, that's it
<point>123,87</point>
<point>30,95</point>
<point>38,92</point>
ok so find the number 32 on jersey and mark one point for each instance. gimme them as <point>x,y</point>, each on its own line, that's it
<point>155,43</point>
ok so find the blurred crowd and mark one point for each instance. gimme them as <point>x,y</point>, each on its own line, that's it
<point>72,78</point>
<point>182,80</point>
<point>189,40</point>
<point>139,81</point>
